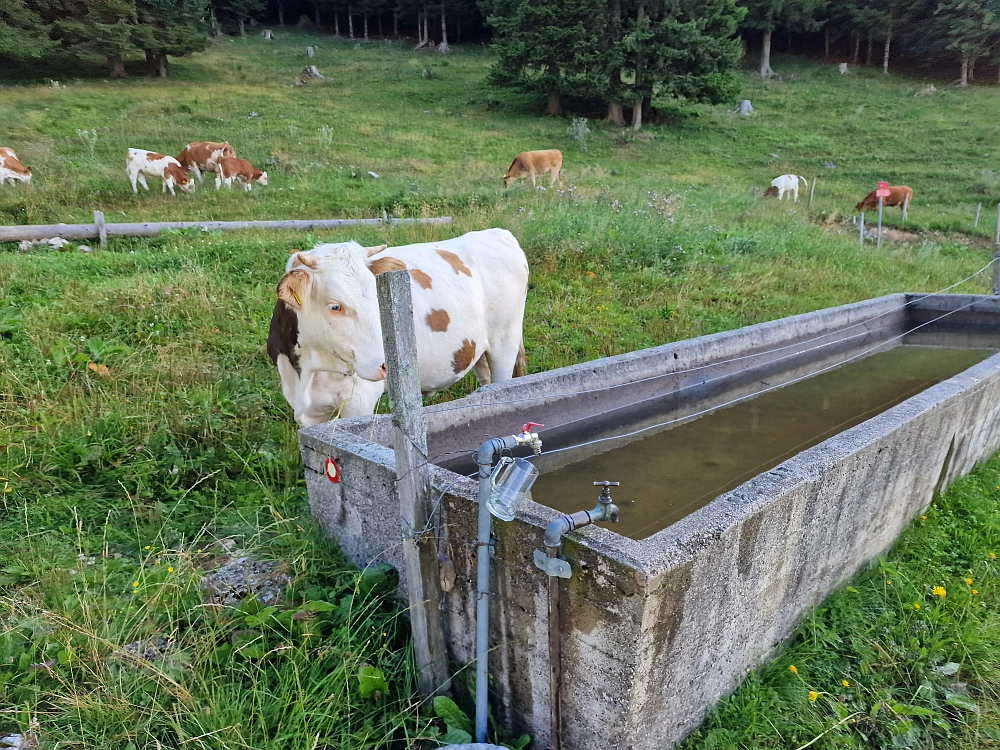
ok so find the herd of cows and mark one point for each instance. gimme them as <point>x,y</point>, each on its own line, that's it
<point>325,336</point>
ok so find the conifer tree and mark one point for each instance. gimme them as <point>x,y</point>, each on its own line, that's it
<point>767,15</point>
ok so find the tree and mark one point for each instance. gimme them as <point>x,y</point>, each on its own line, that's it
<point>767,15</point>
<point>242,10</point>
<point>970,29</point>
<point>169,27</point>
<point>23,32</point>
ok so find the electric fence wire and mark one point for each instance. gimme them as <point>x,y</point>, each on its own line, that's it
<point>669,422</point>
<point>602,389</point>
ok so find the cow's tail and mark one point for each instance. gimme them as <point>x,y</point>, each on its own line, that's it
<point>521,363</point>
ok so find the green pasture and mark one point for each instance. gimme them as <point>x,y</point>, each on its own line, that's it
<point>118,484</point>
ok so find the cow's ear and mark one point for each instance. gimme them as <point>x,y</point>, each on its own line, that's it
<point>375,250</point>
<point>301,259</point>
<point>294,287</point>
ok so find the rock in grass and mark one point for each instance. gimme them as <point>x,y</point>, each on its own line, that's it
<point>152,649</point>
<point>241,577</point>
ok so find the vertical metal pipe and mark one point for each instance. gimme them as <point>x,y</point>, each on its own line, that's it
<point>996,272</point>
<point>483,591</point>
<point>975,224</point>
<point>862,232</point>
<point>878,242</point>
<point>555,660</point>
<point>812,191</point>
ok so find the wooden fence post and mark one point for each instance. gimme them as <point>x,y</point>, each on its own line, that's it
<point>975,224</point>
<point>413,482</point>
<point>102,230</point>
<point>812,191</point>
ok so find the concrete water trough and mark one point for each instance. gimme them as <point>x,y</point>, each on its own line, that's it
<point>660,622</point>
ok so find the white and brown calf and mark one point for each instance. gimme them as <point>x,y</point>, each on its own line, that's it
<point>11,169</point>
<point>786,183</point>
<point>142,164</point>
<point>533,163</point>
<point>202,156</point>
<point>468,304</point>
<point>229,168</point>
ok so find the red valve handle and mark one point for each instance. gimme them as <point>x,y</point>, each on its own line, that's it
<point>527,427</point>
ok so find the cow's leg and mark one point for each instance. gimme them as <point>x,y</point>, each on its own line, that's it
<point>142,181</point>
<point>795,193</point>
<point>169,185</point>
<point>502,357</point>
<point>218,181</point>
<point>533,178</point>
<point>197,173</point>
<point>247,186</point>
<point>482,370</point>
<point>134,177</point>
<point>555,176</point>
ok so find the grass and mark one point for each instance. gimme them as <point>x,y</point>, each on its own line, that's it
<point>141,423</point>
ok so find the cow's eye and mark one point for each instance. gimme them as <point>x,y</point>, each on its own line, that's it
<point>335,307</point>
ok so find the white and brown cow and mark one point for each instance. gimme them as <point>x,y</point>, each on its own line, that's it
<point>202,156</point>
<point>533,163</point>
<point>468,304</point>
<point>11,169</point>
<point>326,394</point>
<point>142,164</point>
<point>229,168</point>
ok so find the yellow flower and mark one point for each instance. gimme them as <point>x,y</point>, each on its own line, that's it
<point>135,584</point>
<point>916,606</point>
<point>845,683</point>
<point>993,555</point>
<point>888,583</point>
<point>968,581</point>
<point>923,518</point>
<point>8,489</point>
<point>939,591</point>
<point>792,669</point>
<point>813,695</point>
<point>170,570</point>
<point>974,592</point>
<point>147,546</point>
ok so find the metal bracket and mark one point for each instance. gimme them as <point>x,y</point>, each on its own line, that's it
<point>553,566</point>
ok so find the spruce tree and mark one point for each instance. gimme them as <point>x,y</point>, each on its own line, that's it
<point>767,15</point>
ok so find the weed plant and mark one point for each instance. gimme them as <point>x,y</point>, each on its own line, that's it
<point>142,425</point>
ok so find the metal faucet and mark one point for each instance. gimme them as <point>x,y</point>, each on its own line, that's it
<point>606,510</point>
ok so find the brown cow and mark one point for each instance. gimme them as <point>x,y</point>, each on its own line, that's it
<point>202,156</point>
<point>230,168</point>
<point>11,168</point>
<point>899,195</point>
<point>532,163</point>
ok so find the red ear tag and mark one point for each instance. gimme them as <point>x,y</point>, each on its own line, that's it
<point>332,470</point>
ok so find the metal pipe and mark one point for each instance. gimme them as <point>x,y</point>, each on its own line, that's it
<point>606,510</point>
<point>485,460</point>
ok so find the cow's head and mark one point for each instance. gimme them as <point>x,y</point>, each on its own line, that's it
<point>179,176</point>
<point>186,184</point>
<point>260,177</point>
<point>332,290</point>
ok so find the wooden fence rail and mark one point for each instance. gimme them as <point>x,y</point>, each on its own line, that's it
<point>149,229</point>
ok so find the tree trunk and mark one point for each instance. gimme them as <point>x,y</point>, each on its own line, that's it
<point>379,17</point>
<point>366,26</point>
<point>868,53</point>
<point>443,47</point>
<point>855,55</point>
<point>281,13</point>
<point>243,31</point>
<point>640,69</point>
<point>336,21</point>
<point>885,56</point>
<point>964,80</point>
<point>826,42</point>
<point>350,22</point>
<point>116,68</point>
<point>765,56</point>
<point>395,23</point>
<point>647,107</point>
<point>316,11</point>
<point>972,68</point>
<point>554,106</point>
<point>161,64</point>
<point>615,114</point>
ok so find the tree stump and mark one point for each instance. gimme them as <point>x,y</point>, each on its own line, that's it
<point>745,108</point>
<point>267,34</point>
<point>843,69</point>
<point>310,52</point>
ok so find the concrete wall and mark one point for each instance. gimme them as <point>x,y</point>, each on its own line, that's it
<point>656,631</point>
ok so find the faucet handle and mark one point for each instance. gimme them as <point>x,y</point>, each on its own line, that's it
<point>607,484</point>
<point>527,427</point>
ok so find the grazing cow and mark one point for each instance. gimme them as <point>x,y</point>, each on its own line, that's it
<point>533,163</point>
<point>899,195</point>
<point>11,169</point>
<point>328,393</point>
<point>468,305</point>
<point>202,156</point>
<point>787,183</point>
<point>229,168</point>
<point>142,164</point>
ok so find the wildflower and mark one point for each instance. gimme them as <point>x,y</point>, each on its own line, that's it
<point>135,584</point>
<point>993,555</point>
<point>888,582</point>
<point>170,570</point>
<point>813,695</point>
<point>916,606</point>
<point>939,591</point>
<point>968,581</point>
<point>845,683</point>
<point>923,518</point>
<point>148,546</point>
<point>793,669</point>
<point>975,591</point>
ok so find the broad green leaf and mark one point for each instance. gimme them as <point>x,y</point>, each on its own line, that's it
<point>447,709</point>
<point>371,682</point>
<point>455,737</point>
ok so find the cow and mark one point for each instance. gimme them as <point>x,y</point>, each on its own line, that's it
<point>11,169</point>
<point>142,164</point>
<point>328,393</point>
<point>202,156</point>
<point>468,304</point>
<point>786,183</point>
<point>229,168</point>
<point>533,163</point>
<point>899,195</point>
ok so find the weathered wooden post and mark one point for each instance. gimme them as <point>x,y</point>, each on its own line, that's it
<point>812,191</point>
<point>413,482</point>
<point>102,230</point>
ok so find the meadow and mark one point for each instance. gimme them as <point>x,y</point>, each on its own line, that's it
<point>143,430</point>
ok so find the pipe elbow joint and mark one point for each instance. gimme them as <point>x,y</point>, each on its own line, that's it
<point>555,530</point>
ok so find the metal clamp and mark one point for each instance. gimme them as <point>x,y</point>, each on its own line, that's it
<point>552,566</point>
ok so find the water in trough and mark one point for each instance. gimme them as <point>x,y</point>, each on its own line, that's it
<point>672,473</point>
